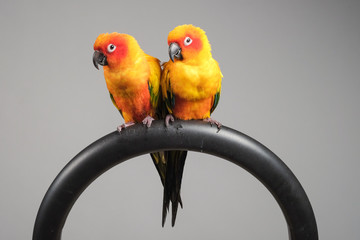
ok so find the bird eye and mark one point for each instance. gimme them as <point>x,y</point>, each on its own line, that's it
<point>111,48</point>
<point>187,41</point>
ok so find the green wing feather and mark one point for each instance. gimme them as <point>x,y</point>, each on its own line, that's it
<point>154,80</point>
<point>167,94</point>
<point>216,97</point>
<point>215,101</point>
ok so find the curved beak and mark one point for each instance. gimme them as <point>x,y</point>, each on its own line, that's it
<point>175,51</point>
<point>99,58</point>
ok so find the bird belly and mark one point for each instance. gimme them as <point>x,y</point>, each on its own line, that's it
<point>134,108</point>
<point>195,109</point>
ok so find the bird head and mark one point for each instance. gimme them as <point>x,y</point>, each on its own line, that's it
<point>113,49</point>
<point>188,43</point>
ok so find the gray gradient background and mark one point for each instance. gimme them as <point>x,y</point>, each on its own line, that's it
<point>291,81</point>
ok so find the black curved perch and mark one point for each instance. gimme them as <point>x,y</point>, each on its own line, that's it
<point>198,136</point>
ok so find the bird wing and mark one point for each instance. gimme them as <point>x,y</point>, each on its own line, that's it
<point>154,80</point>
<point>167,94</point>
<point>216,97</point>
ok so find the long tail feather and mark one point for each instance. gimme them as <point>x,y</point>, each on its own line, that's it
<point>170,166</point>
<point>160,160</point>
<point>174,172</point>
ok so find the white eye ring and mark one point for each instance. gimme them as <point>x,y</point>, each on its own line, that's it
<point>111,47</point>
<point>187,41</point>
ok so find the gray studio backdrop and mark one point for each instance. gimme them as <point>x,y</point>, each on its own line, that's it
<point>291,81</point>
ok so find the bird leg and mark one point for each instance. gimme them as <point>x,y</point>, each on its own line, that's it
<point>213,121</point>
<point>169,118</point>
<point>147,121</point>
<point>125,125</point>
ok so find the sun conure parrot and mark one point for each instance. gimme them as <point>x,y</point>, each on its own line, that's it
<point>190,84</point>
<point>191,81</point>
<point>132,77</point>
<point>133,80</point>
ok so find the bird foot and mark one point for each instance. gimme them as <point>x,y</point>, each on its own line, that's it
<point>125,125</point>
<point>169,118</point>
<point>213,121</point>
<point>147,121</point>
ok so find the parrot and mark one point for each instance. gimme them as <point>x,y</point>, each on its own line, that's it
<point>132,77</point>
<point>191,79</point>
<point>190,86</point>
<point>133,80</point>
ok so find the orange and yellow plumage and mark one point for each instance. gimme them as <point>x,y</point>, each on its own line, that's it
<point>132,77</point>
<point>190,88</point>
<point>191,85</point>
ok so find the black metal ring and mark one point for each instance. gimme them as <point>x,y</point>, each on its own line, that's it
<point>198,136</point>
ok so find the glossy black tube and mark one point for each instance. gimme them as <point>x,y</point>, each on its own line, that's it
<point>198,136</point>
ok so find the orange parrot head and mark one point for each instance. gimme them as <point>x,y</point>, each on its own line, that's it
<point>188,43</point>
<point>114,49</point>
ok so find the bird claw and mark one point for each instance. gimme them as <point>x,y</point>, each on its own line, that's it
<point>169,118</point>
<point>147,121</point>
<point>213,121</point>
<point>124,125</point>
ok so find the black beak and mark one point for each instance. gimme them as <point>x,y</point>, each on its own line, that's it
<point>99,58</point>
<point>175,51</point>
